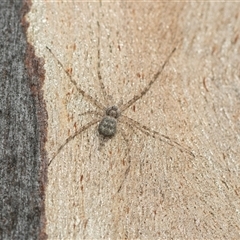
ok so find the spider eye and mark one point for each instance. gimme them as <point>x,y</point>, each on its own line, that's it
<point>112,112</point>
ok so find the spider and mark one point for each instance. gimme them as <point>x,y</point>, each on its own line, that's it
<point>107,122</point>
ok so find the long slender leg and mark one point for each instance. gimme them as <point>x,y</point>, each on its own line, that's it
<point>85,127</point>
<point>83,93</point>
<point>145,90</point>
<point>90,112</point>
<point>134,132</point>
<point>104,92</point>
<point>124,135</point>
<point>149,132</point>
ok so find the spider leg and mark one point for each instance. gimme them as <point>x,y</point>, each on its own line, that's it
<point>124,135</point>
<point>145,90</point>
<point>83,93</point>
<point>154,134</point>
<point>104,92</point>
<point>90,112</point>
<point>72,137</point>
<point>137,134</point>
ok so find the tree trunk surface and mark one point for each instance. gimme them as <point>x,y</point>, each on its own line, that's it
<point>171,171</point>
<point>23,121</point>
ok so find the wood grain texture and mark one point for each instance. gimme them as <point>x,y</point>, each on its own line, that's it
<point>167,193</point>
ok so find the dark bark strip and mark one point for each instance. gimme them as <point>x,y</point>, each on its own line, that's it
<point>23,125</point>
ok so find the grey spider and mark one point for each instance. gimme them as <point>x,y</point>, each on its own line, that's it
<point>107,126</point>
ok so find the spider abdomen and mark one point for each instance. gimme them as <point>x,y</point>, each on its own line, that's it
<point>108,126</point>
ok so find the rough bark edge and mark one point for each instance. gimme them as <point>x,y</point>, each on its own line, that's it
<point>36,76</point>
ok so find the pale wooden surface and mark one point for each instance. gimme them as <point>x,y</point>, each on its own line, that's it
<point>196,101</point>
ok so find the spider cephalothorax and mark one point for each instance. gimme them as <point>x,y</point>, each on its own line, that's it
<point>108,126</point>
